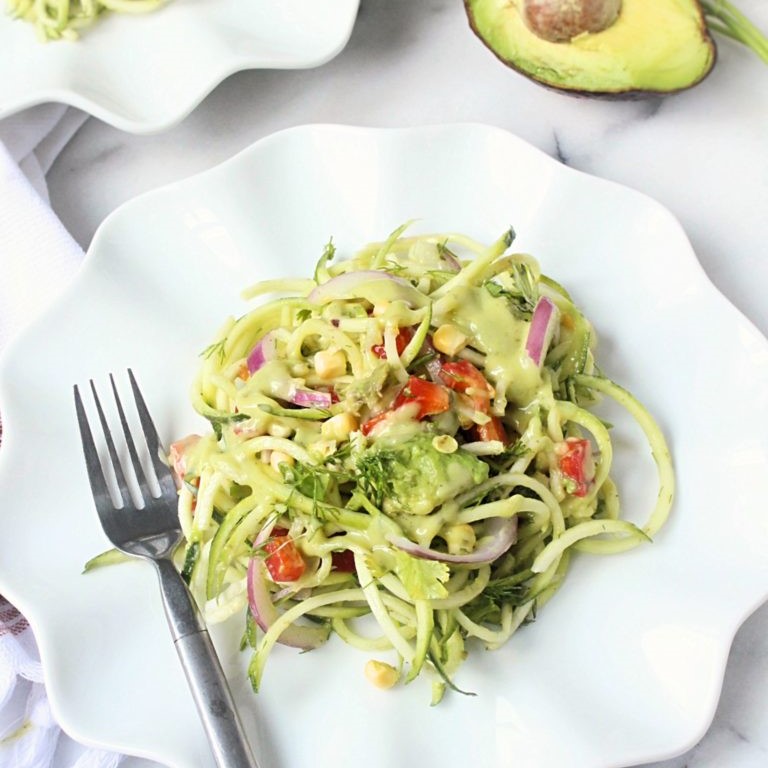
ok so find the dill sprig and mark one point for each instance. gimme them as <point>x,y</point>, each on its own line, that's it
<point>518,287</point>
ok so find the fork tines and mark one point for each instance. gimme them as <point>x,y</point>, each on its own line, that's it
<point>146,480</point>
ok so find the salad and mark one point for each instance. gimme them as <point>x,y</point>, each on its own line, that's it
<point>402,452</point>
<point>64,19</point>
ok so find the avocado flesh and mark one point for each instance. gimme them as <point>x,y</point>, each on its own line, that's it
<point>655,46</point>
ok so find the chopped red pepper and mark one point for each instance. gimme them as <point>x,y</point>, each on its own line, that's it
<point>343,560</point>
<point>431,399</point>
<point>367,426</point>
<point>404,335</point>
<point>492,430</point>
<point>284,561</point>
<point>462,376</point>
<point>576,464</point>
<point>177,455</point>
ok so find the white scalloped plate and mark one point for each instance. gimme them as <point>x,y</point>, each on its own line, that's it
<point>144,73</point>
<point>623,666</point>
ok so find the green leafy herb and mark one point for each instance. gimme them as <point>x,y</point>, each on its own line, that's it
<point>308,414</point>
<point>518,287</point>
<point>219,421</point>
<point>217,348</point>
<point>322,275</point>
<point>318,482</point>
<point>446,253</point>
<point>510,590</point>
<point>374,479</point>
<point>421,361</point>
<point>435,658</point>
<point>303,314</point>
<point>422,579</point>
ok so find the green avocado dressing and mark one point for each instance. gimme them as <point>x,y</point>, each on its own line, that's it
<point>501,336</point>
<point>412,477</point>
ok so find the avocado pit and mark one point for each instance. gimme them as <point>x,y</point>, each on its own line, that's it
<point>561,20</point>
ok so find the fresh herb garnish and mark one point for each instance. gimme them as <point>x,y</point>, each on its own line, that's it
<point>319,482</point>
<point>518,287</point>
<point>307,414</point>
<point>375,475</point>
<point>218,422</point>
<point>217,348</point>
<point>322,275</point>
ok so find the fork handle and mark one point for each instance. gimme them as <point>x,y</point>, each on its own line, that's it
<point>203,671</point>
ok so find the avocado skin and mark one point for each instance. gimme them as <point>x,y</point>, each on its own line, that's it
<point>608,94</point>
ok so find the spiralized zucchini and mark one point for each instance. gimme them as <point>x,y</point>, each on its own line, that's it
<point>404,442</point>
<point>65,19</point>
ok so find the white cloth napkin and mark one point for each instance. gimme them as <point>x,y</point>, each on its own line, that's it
<point>38,257</point>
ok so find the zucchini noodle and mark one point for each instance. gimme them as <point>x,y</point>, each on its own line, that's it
<point>402,452</point>
<point>64,19</point>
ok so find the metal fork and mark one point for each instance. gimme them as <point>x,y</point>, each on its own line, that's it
<point>151,531</point>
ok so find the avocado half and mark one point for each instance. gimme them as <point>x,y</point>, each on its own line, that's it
<point>653,47</point>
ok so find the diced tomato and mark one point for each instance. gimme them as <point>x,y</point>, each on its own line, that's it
<point>284,561</point>
<point>430,397</point>
<point>367,426</point>
<point>492,430</point>
<point>177,452</point>
<point>462,376</point>
<point>343,561</point>
<point>404,335</point>
<point>576,464</point>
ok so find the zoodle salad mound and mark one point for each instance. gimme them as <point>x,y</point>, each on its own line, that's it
<point>65,19</point>
<point>402,452</point>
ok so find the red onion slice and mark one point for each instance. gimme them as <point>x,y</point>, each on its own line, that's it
<point>262,353</point>
<point>370,284</point>
<point>310,398</point>
<point>543,323</point>
<point>501,534</point>
<point>451,261</point>
<point>265,614</point>
<point>434,367</point>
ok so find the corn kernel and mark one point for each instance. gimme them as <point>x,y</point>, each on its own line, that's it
<point>322,449</point>
<point>380,309</point>
<point>278,457</point>
<point>276,429</point>
<point>460,539</point>
<point>339,426</point>
<point>444,443</point>
<point>449,339</point>
<point>381,674</point>
<point>330,363</point>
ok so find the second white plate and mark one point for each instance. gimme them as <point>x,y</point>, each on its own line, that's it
<point>143,73</point>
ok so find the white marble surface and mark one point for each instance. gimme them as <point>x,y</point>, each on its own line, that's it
<point>702,153</point>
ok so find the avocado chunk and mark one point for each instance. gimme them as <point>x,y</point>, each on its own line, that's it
<point>413,477</point>
<point>651,47</point>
